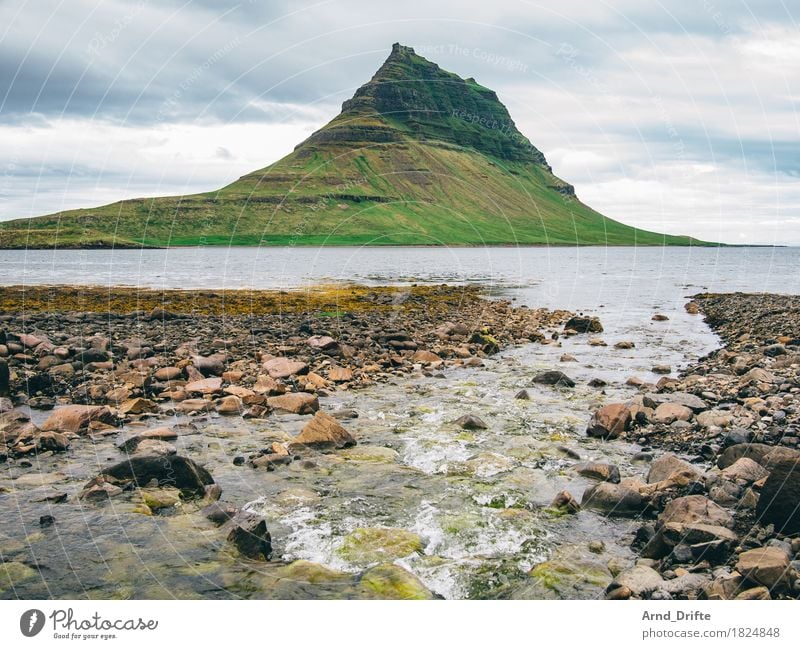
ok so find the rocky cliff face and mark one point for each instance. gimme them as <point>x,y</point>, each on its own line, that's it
<point>410,96</point>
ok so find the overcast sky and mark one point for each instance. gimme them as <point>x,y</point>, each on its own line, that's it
<point>677,116</point>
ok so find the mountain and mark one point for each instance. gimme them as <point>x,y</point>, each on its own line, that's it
<point>417,156</point>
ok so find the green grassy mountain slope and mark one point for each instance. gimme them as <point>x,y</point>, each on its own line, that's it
<point>418,156</point>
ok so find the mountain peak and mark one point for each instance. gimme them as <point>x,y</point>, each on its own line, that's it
<point>412,97</point>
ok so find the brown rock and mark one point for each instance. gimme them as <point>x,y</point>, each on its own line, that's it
<point>666,413</point>
<point>610,421</point>
<point>695,509</point>
<point>323,432</point>
<point>137,406</point>
<point>230,405</point>
<point>76,419</point>
<point>424,356</point>
<point>168,373</point>
<point>281,368</point>
<point>300,403</point>
<point>340,374</point>
<point>666,466</point>
<point>744,471</point>
<point>210,385</point>
<point>768,566</point>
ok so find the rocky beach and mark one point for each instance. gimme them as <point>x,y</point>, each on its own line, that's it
<point>388,442</point>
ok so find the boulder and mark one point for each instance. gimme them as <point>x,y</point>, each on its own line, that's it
<point>681,398</point>
<point>769,566</point>
<point>155,447</point>
<point>208,365</point>
<point>640,580</point>
<point>248,532</point>
<point>695,509</point>
<point>168,373</point>
<point>425,356</point>
<point>281,367</point>
<point>554,377</point>
<point>599,471</point>
<point>613,499</point>
<point>211,385</point>
<point>77,419</point>
<point>470,422</point>
<point>667,465</point>
<point>322,342</point>
<point>172,471</point>
<point>667,413</point>
<point>367,545</point>
<point>340,374</point>
<point>766,455</point>
<point>322,433</point>
<point>390,581</point>
<point>299,403</point>
<point>610,421</point>
<point>779,502</point>
<point>744,471</point>
<point>718,418</point>
<point>137,406</point>
<point>583,324</point>
<point>230,405</point>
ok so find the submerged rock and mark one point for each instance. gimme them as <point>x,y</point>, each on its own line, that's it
<point>77,419</point>
<point>367,545</point>
<point>249,533</point>
<point>390,581</point>
<point>171,470</point>
<point>554,377</point>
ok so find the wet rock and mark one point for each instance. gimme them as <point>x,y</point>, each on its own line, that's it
<point>779,502</point>
<point>137,406</point>
<point>572,572</point>
<point>390,581</point>
<point>597,383</point>
<point>566,503</point>
<point>640,580</point>
<point>661,369</point>
<point>248,532</point>
<point>583,324</point>
<point>299,403</point>
<point>173,471</point>
<point>523,395</point>
<point>322,433</point>
<point>219,513</point>
<point>599,471</point>
<point>99,489</point>
<point>568,358</point>
<point>624,344</point>
<point>614,499</point>
<point>271,461</point>
<point>555,378</point>
<point>230,405</point>
<point>4,379</point>
<point>367,545</point>
<point>768,566</point>
<point>155,447</point>
<point>425,356</point>
<point>77,419</point>
<point>610,421</point>
<point>281,367</point>
<point>157,498</point>
<point>470,422</point>
<point>659,317</point>
<point>51,441</point>
<point>161,433</point>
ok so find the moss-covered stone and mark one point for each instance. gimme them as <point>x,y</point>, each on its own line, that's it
<point>13,573</point>
<point>388,581</point>
<point>367,545</point>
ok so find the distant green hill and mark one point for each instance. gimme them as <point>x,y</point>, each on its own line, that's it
<point>418,156</point>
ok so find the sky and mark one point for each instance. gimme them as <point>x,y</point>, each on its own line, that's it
<point>676,116</point>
